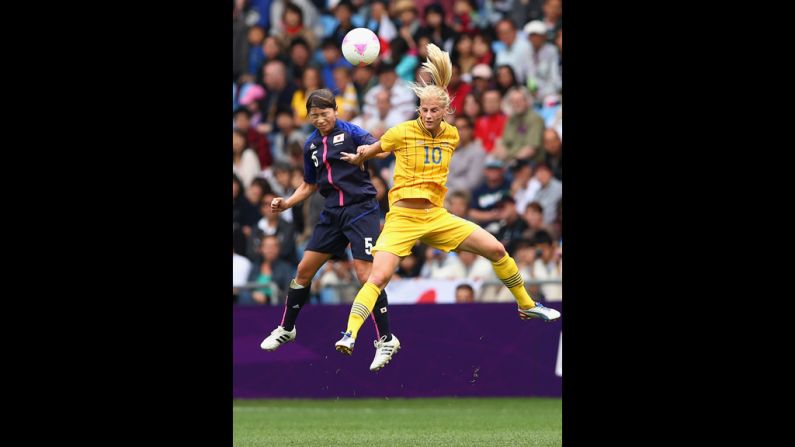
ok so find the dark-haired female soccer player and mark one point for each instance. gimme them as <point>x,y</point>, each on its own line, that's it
<point>350,215</point>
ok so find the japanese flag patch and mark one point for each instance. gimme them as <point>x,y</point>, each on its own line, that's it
<point>338,139</point>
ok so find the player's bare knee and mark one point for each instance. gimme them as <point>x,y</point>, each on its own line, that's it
<point>303,276</point>
<point>303,280</point>
<point>363,276</point>
<point>380,279</point>
<point>362,271</point>
<point>496,251</point>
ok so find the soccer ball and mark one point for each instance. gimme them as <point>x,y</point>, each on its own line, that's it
<point>360,46</point>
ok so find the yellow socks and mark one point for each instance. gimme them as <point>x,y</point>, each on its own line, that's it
<point>362,306</point>
<point>508,273</point>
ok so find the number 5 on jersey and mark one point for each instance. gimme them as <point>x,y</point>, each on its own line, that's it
<point>314,158</point>
<point>368,245</point>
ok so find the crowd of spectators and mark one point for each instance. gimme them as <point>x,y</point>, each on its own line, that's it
<point>506,174</point>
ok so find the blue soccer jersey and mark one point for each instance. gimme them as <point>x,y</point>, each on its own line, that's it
<point>340,182</point>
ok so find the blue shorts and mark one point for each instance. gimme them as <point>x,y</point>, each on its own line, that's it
<point>358,224</point>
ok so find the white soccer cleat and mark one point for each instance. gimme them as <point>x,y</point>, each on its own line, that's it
<point>384,350</point>
<point>345,345</point>
<point>539,311</point>
<point>278,337</point>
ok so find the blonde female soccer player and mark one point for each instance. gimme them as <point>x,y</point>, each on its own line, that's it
<point>423,148</point>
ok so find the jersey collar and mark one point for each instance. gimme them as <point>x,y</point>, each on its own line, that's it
<point>333,129</point>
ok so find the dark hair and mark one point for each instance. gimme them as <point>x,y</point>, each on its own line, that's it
<point>322,99</point>
<point>319,76</point>
<point>541,237</point>
<point>262,183</point>
<point>271,236</point>
<point>330,42</point>
<point>433,7</point>
<point>487,34</point>
<point>454,54</point>
<point>295,148</point>
<point>384,67</point>
<point>536,206</point>
<point>518,165</point>
<point>242,110</point>
<point>507,199</point>
<point>423,33</point>
<point>299,41</point>
<point>511,71</point>
<point>284,110</point>
<point>465,118</point>
<point>399,48</point>
<point>465,286</point>
<point>281,166</point>
<point>290,6</point>
<point>523,244</point>
<point>276,40</point>
<point>505,20</point>
<point>346,3</point>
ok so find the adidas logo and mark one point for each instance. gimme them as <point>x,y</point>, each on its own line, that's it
<point>297,306</point>
<point>312,146</point>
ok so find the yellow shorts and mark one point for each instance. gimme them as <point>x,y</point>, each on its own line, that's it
<point>435,227</point>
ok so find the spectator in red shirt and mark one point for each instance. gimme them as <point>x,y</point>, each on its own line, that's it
<point>489,126</point>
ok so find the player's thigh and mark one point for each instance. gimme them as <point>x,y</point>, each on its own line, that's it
<point>447,231</point>
<point>401,230</point>
<point>483,243</point>
<point>309,265</point>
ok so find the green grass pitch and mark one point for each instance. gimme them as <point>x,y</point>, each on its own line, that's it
<point>398,422</point>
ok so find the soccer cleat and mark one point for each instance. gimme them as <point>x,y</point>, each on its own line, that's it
<point>384,350</point>
<point>345,345</point>
<point>278,337</point>
<point>539,311</point>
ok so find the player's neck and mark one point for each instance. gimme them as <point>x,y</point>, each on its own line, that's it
<point>330,131</point>
<point>434,133</point>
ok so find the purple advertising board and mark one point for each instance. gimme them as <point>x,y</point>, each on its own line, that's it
<point>480,349</point>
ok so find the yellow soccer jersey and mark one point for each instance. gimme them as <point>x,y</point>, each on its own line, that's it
<point>422,161</point>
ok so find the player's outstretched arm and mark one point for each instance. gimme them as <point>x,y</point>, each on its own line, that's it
<point>302,193</point>
<point>363,153</point>
<point>381,155</point>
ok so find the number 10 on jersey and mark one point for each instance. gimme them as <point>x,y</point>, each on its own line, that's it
<point>436,155</point>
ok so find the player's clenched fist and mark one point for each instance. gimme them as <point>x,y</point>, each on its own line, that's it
<point>278,205</point>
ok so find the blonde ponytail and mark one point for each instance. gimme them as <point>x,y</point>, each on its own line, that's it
<point>439,65</point>
<point>441,70</point>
